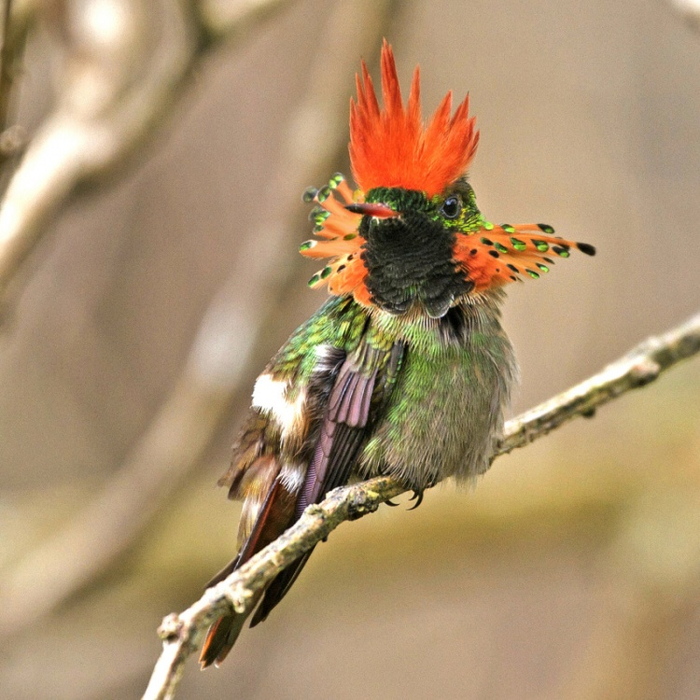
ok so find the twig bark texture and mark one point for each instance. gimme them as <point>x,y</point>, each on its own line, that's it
<point>182,633</point>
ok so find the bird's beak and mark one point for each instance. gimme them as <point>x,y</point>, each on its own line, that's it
<point>379,211</point>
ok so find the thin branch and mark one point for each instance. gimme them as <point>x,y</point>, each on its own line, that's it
<point>14,35</point>
<point>6,59</point>
<point>16,19</point>
<point>182,633</point>
<point>637,368</point>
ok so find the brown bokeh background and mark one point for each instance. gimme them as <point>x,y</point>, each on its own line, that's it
<point>572,570</point>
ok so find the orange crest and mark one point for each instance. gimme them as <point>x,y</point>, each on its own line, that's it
<point>390,147</point>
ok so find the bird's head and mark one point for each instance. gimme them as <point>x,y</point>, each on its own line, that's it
<point>411,236</point>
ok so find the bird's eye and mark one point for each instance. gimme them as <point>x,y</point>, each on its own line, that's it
<point>451,207</point>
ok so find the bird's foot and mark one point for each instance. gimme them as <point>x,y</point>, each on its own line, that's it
<point>417,497</point>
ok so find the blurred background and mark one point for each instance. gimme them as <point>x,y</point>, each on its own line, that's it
<point>152,171</point>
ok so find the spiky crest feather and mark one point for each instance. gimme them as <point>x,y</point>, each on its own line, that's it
<point>390,147</point>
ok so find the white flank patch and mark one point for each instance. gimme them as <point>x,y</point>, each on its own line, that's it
<point>322,353</point>
<point>326,358</point>
<point>292,477</point>
<point>269,395</point>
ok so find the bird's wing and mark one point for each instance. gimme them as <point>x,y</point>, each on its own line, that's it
<point>354,399</point>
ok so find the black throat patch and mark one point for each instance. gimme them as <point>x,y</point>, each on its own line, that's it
<point>409,260</point>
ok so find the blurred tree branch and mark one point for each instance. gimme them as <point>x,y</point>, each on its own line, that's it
<point>226,343</point>
<point>9,54</point>
<point>117,88</point>
<point>16,19</point>
<point>182,633</point>
<point>689,10</point>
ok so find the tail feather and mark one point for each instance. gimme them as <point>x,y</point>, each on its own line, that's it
<point>279,588</point>
<point>222,636</point>
<point>274,516</point>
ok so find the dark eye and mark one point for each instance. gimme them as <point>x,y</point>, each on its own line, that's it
<point>451,207</point>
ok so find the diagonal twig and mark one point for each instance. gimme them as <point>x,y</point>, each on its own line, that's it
<point>182,633</point>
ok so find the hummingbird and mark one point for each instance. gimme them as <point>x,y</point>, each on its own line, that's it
<point>405,370</point>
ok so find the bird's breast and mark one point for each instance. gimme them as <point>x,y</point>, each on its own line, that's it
<point>409,261</point>
<point>447,406</point>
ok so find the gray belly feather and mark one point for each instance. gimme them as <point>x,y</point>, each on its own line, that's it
<point>446,409</point>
